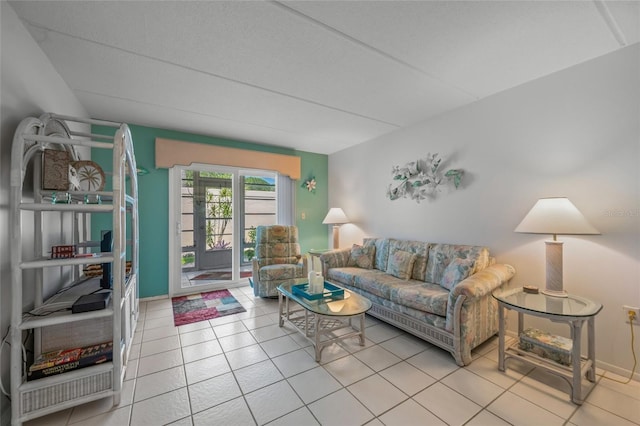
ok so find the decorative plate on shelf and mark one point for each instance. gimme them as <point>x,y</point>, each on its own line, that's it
<point>90,175</point>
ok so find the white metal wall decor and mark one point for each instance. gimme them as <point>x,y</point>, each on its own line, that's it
<point>421,179</point>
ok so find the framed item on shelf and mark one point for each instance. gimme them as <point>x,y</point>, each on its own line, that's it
<point>55,170</point>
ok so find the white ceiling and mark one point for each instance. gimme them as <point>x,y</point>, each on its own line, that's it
<point>318,76</point>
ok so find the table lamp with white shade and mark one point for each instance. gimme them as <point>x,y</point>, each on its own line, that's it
<point>555,216</point>
<point>335,217</point>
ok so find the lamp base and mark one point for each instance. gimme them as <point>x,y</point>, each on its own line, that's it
<point>336,237</point>
<point>555,293</point>
<point>553,284</point>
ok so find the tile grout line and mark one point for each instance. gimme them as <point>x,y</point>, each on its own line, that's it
<point>264,310</point>
<point>235,378</point>
<point>271,358</point>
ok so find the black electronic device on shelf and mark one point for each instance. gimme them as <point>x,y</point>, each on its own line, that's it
<point>106,245</point>
<point>91,302</point>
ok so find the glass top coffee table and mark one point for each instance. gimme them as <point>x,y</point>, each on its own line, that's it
<point>319,319</point>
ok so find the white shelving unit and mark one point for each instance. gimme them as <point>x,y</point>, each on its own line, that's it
<point>54,327</point>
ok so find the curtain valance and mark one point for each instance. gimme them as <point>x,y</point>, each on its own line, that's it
<point>171,153</point>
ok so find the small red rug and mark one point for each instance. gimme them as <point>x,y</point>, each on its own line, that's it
<point>220,275</point>
<point>204,306</point>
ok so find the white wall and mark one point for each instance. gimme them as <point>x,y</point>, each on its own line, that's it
<point>30,86</point>
<point>574,133</point>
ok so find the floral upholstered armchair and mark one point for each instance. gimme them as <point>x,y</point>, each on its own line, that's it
<point>277,259</point>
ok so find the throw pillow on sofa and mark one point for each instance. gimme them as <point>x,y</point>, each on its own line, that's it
<point>362,256</point>
<point>401,264</point>
<point>382,252</point>
<point>421,250</point>
<point>456,271</point>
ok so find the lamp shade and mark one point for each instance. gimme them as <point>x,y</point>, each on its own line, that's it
<point>335,216</point>
<point>557,216</point>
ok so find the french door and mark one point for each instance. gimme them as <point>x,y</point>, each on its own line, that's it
<point>213,213</point>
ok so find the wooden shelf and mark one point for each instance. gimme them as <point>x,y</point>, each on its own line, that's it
<point>535,360</point>
<point>64,300</point>
<point>72,207</point>
<point>50,394</point>
<point>46,262</point>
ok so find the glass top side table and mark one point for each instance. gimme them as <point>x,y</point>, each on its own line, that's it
<point>573,310</point>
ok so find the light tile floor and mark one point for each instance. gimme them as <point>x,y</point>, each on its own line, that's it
<point>245,370</point>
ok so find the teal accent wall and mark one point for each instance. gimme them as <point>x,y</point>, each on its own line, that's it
<point>153,203</point>
<point>313,206</point>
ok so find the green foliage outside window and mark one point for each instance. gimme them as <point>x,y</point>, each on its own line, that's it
<point>219,214</point>
<point>250,244</point>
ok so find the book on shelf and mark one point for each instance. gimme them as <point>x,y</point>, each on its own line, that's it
<point>61,361</point>
<point>96,270</point>
<point>53,358</point>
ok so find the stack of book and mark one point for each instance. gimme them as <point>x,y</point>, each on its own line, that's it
<point>57,362</point>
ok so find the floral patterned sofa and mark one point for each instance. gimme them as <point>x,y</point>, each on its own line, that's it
<point>438,292</point>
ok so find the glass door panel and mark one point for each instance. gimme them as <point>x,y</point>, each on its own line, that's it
<point>214,221</point>
<point>259,208</point>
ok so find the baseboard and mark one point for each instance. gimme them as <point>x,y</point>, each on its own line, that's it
<point>600,364</point>
<point>152,298</point>
<point>617,370</point>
